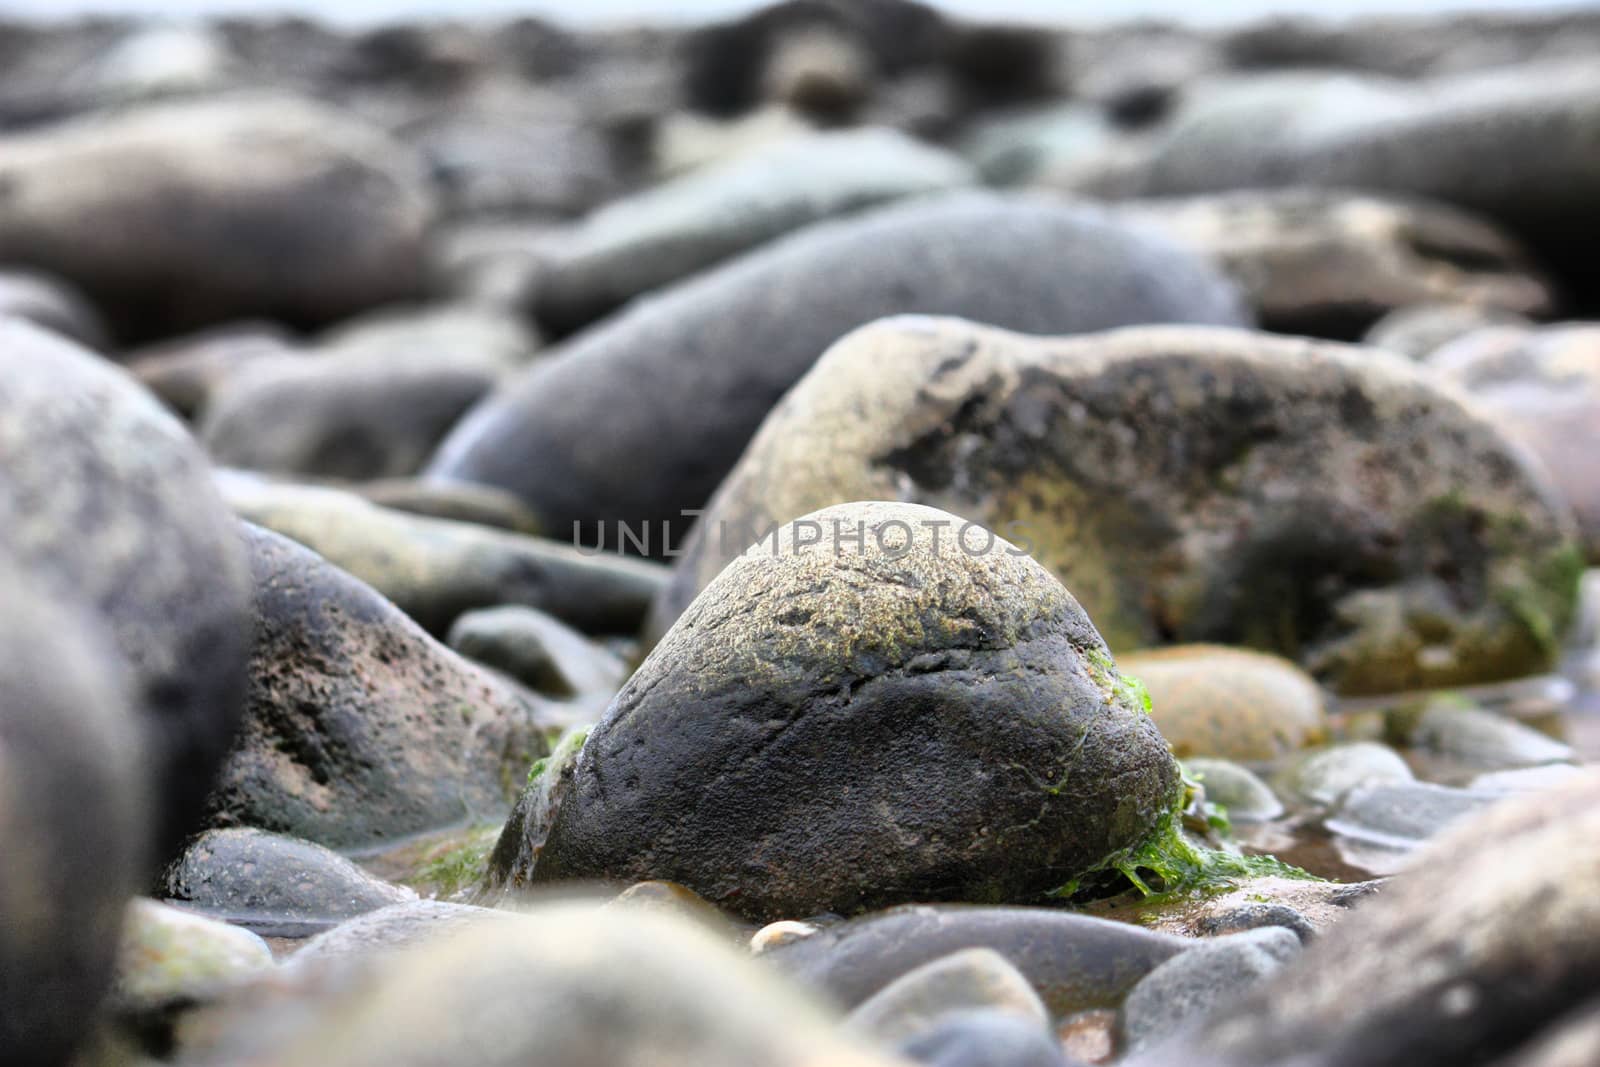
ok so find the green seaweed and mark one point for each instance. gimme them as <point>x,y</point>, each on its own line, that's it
<point>458,866</point>
<point>1118,687</point>
<point>1546,602</point>
<point>1179,867</point>
<point>562,752</point>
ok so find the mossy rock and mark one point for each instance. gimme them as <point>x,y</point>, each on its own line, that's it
<point>1189,484</point>
<point>1229,702</point>
<point>840,726</point>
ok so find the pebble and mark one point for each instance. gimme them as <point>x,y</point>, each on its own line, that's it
<point>369,400</point>
<point>1192,985</point>
<point>171,956</point>
<point>778,934</point>
<point>1419,330</point>
<point>435,570</point>
<point>273,883</point>
<point>75,816</point>
<point>1245,796</point>
<point>984,1038</point>
<point>540,651</point>
<point>972,980</point>
<point>1482,739</point>
<point>1401,815</point>
<point>1484,946</point>
<point>1074,962</point>
<point>1326,776</point>
<point>52,303</point>
<point>1229,703</point>
<point>546,986</point>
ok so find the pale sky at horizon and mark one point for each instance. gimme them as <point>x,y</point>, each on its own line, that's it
<point>608,11</point>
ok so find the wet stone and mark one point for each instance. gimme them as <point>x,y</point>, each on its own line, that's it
<point>1402,815</point>
<point>1323,777</point>
<point>1245,796</point>
<point>273,883</point>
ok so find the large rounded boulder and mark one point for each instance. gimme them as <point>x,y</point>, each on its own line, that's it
<point>177,215</point>
<point>867,710</point>
<point>73,820</point>
<point>1326,502</point>
<point>109,504</point>
<point>640,417</point>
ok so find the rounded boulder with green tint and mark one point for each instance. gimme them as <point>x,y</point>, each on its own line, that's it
<point>1190,484</point>
<point>867,710</point>
<point>1235,703</point>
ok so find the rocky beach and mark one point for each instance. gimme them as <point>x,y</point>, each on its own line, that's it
<point>851,535</point>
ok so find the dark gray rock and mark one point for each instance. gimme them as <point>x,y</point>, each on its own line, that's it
<point>1185,483</point>
<point>392,928</point>
<point>681,382</point>
<point>271,882</point>
<point>178,215</point>
<point>1483,942</point>
<point>1402,815</point>
<point>644,241</point>
<point>74,818</point>
<point>758,755</point>
<point>109,504</point>
<point>371,401</point>
<point>1073,961</point>
<point>436,569</point>
<point>1188,988</point>
<point>359,727</point>
<point>539,651</point>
